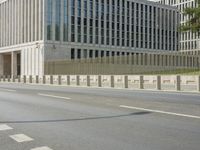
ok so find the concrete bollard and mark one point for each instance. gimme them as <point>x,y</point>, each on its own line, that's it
<point>68,80</point>
<point>178,83</point>
<point>99,81</point>
<point>51,79</point>
<point>37,79</point>
<point>24,79</point>
<point>44,79</point>
<point>9,78</point>
<point>126,81</point>
<point>78,80</point>
<point>19,79</point>
<point>13,78</point>
<point>30,79</point>
<point>0,78</point>
<point>4,78</point>
<point>112,81</point>
<point>198,83</point>
<point>59,80</point>
<point>88,80</point>
<point>158,83</point>
<point>141,86</point>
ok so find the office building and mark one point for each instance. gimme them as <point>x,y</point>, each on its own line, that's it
<point>33,32</point>
<point>189,42</point>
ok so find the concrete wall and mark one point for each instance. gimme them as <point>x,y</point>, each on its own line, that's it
<point>169,83</point>
<point>32,60</point>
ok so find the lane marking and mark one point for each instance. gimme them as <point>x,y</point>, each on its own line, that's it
<point>8,90</point>
<point>53,96</point>
<point>21,138</point>
<point>42,148</point>
<point>5,127</point>
<point>160,111</point>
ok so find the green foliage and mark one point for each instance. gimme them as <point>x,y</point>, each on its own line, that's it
<point>193,24</point>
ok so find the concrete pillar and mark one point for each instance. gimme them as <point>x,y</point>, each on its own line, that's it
<point>158,86</point>
<point>141,82</point>
<point>139,59</point>
<point>13,78</point>
<point>19,79</point>
<point>13,63</point>
<point>44,80</point>
<point>1,64</point>
<point>88,80</point>
<point>126,81</point>
<point>24,79</point>
<point>68,80</point>
<point>130,59</point>
<point>99,81</point>
<point>78,80</point>
<point>112,81</point>
<point>9,78</point>
<point>59,80</point>
<point>148,59</point>
<point>4,78</point>
<point>51,79</point>
<point>178,83</point>
<point>198,83</point>
<point>37,79</point>
<point>134,59</point>
<point>125,58</point>
<point>30,79</point>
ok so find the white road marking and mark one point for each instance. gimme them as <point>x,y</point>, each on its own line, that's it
<point>53,96</point>
<point>160,111</point>
<point>21,138</point>
<point>8,90</point>
<point>4,127</point>
<point>42,148</point>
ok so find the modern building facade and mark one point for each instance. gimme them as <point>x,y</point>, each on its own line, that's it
<point>35,31</point>
<point>189,42</point>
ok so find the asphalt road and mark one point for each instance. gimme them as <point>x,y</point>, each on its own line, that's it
<point>70,118</point>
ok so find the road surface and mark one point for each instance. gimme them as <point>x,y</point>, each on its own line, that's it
<point>36,117</point>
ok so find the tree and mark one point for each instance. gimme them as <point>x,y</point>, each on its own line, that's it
<point>193,24</point>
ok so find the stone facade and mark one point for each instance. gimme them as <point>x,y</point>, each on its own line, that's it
<point>33,33</point>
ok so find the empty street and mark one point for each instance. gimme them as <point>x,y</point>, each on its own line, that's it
<point>35,117</point>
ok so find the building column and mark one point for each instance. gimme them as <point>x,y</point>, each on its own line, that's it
<point>135,59</point>
<point>148,59</point>
<point>13,63</point>
<point>1,64</point>
<point>139,59</point>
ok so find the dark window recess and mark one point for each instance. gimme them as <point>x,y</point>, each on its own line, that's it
<point>79,54</point>
<point>72,53</point>
<point>113,53</point>
<point>91,54</point>
<point>102,53</point>
<point>107,53</point>
<point>96,54</point>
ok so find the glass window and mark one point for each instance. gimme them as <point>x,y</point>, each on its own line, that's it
<point>58,19</point>
<point>49,20</point>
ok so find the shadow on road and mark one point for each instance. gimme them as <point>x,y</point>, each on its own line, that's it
<point>77,119</point>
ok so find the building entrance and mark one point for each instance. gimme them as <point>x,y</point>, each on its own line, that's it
<point>10,64</point>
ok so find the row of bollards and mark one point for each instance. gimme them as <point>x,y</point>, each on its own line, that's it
<point>29,79</point>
